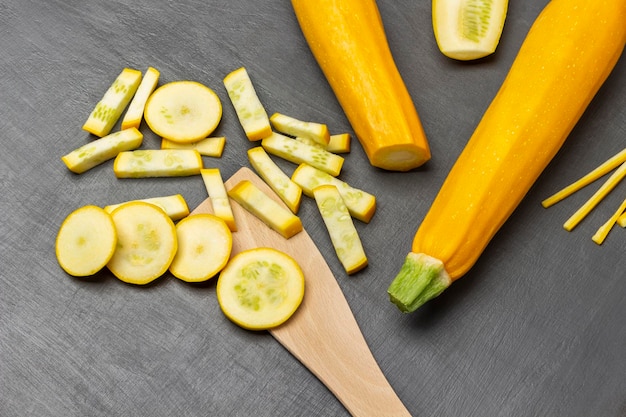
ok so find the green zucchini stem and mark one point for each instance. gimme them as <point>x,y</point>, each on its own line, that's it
<point>420,279</point>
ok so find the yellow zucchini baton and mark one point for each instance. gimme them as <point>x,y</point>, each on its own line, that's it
<point>568,53</point>
<point>348,40</point>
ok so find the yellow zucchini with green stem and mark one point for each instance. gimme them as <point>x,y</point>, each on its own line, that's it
<point>348,40</point>
<point>567,55</point>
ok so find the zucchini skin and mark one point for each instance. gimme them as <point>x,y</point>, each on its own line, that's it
<point>348,40</point>
<point>567,55</point>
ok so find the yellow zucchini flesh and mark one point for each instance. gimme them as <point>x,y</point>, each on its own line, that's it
<point>348,40</point>
<point>567,55</point>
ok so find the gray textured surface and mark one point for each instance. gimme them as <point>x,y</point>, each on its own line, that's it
<point>536,328</point>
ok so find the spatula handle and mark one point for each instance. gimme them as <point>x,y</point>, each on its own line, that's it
<point>340,358</point>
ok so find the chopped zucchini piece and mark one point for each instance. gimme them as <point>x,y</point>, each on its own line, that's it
<point>134,114</point>
<point>343,233</point>
<point>598,172</point>
<point>100,150</point>
<point>218,196</point>
<point>174,206</point>
<point>339,143</point>
<point>157,163</point>
<point>249,109</point>
<point>468,29</point>
<point>287,190</point>
<point>622,220</point>
<point>213,146</point>
<point>361,204</point>
<point>299,152</point>
<point>109,109</point>
<point>317,132</point>
<point>277,217</point>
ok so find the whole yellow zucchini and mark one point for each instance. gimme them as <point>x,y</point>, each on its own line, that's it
<point>348,40</point>
<point>568,53</point>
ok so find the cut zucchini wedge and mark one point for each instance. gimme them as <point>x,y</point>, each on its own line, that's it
<point>283,186</point>
<point>343,233</point>
<point>214,184</point>
<point>109,109</point>
<point>274,215</point>
<point>134,114</point>
<point>100,150</point>
<point>157,163</point>
<point>288,125</point>
<point>361,204</point>
<point>250,111</point>
<point>299,152</point>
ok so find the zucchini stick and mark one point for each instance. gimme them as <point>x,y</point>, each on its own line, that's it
<point>608,166</point>
<point>595,199</point>
<point>604,230</point>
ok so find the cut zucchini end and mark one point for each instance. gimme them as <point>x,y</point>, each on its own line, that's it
<point>468,30</point>
<point>71,164</point>
<point>255,134</point>
<point>356,267</point>
<point>366,212</point>
<point>400,157</point>
<point>129,124</point>
<point>420,279</point>
<point>339,143</point>
<point>466,55</point>
<point>250,111</point>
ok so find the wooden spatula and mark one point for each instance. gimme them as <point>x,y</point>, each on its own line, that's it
<point>323,333</point>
